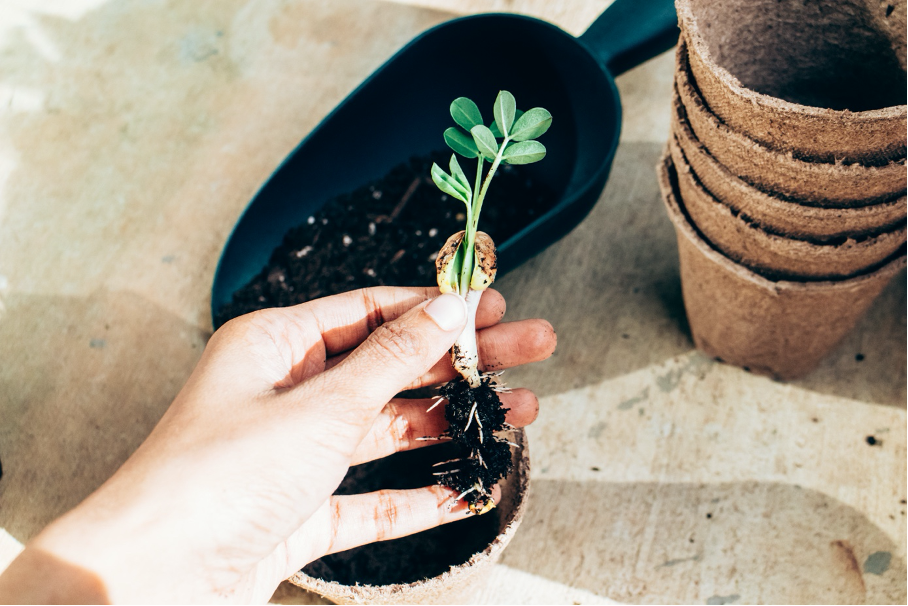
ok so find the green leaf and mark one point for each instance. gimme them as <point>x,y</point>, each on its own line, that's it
<point>494,127</point>
<point>461,142</point>
<point>448,184</point>
<point>524,152</point>
<point>532,124</point>
<point>465,113</point>
<point>504,110</point>
<point>485,141</point>
<point>461,177</point>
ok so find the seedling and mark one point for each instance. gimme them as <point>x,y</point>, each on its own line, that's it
<point>466,265</point>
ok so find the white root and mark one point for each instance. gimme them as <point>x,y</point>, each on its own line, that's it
<point>470,418</point>
<point>463,494</point>
<point>446,462</point>
<point>437,402</point>
<point>465,353</point>
<point>432,438</point>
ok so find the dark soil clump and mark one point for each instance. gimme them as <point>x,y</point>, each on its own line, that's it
<point>474,416</point>
<point>414,558</point>
<point>387,232</point>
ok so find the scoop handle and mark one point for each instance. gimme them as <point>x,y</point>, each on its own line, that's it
<point>630,32</point>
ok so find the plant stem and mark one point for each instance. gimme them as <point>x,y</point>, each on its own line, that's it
<point>479,195</point>
<point>469,237</point>
<point>477,204</point>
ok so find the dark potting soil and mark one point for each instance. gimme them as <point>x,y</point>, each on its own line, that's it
<point>387,232</point>
<point>474,415</point>
<point>416,557</point>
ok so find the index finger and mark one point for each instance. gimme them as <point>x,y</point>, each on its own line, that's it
<point>344,321</point>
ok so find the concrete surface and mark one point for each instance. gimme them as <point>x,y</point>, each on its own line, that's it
<point>133,133</point>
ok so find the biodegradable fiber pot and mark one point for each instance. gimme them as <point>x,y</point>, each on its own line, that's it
<point>781,329</point>
<point>462,580</point>
<point>823,79</point>
<point>774,256</point>
<point>827,184</point>
<point>778,215</point>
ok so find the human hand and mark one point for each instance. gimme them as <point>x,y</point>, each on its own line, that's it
<point>232,491</point>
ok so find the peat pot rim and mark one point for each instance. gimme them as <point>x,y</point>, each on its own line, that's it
<point>697,42</point>
<point>771,202</point>
<point>813,243</point>
<point>683,227</point>
<point>685,85</point>
<point>456,575</point>
<point>770,253</point>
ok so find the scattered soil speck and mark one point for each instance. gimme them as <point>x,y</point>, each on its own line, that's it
<point>719,600</point>
<point>877,562</point>
<point>709,516</point>
<point>872,441</point>
<point>859,357</point>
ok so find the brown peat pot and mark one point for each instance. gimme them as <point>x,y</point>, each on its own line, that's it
<point>770,255</point>
<point>814,183</point>
<point>462,580</point>
<point>781,329</point>
<point>778,215</point>
<point>824,79</point>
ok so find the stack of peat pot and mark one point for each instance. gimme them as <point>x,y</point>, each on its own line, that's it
<point>785,172</point>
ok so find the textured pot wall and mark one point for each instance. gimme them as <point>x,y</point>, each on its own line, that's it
<point>817,183</point>
<point>781,329</point>
<point>771,255</point>
<point>778,215</point>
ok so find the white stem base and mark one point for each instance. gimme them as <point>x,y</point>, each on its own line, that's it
<point>465,353</point>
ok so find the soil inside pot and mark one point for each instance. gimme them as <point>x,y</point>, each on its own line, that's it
<point>417,557</point>
<point>387,232</point>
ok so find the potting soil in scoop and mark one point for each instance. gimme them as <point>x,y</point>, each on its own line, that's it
<point>386,233</point>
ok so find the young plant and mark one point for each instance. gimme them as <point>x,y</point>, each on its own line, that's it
<point>466,265</point>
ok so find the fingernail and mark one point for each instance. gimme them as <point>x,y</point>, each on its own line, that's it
<point>449,311</point>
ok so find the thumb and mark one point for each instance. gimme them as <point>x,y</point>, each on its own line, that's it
<point>396,354</point>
